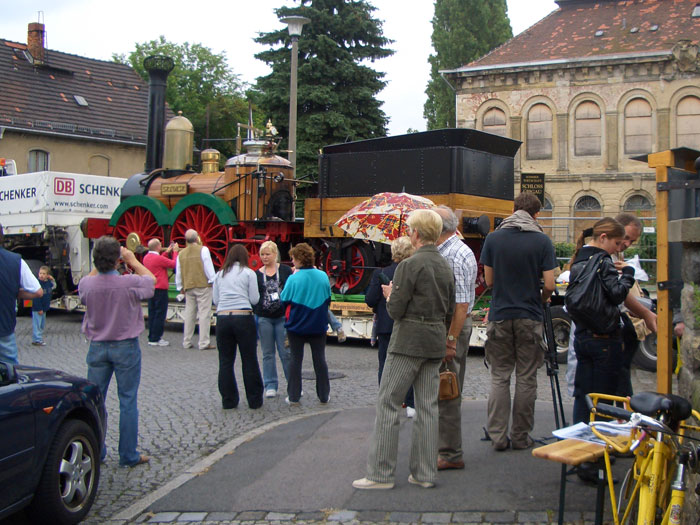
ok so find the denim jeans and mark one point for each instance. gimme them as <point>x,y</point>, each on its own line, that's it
<point>8,349</point>
<point>317,342</point>
<point>333,321</point>
<point>238,331</point>
<point>271,330</point>
<point>123,359</point>
<point>38,325</point>
<point>598,370</point>
<point>157,311</point>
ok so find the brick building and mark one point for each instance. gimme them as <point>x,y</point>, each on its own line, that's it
<point>587,88</point>
<point>68,113</point>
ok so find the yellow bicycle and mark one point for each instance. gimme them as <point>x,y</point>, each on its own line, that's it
<point>653,490</point>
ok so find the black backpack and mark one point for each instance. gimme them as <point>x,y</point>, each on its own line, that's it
<point>587,302</point>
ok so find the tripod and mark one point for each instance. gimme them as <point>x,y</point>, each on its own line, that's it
<point>550,357</point>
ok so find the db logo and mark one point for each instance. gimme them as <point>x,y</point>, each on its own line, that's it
<point>63,186</point>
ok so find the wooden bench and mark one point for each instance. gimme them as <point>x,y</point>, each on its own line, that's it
<point>573,452</point>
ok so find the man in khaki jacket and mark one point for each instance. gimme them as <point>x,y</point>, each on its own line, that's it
<point>194,274</point>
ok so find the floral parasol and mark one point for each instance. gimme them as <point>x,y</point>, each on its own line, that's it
<point>382,217</point>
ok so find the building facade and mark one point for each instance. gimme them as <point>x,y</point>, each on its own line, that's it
<point>588,88</point>
<point>63,112</point>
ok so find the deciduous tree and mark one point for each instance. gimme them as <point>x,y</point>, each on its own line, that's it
<point>463,30</point>
<point>202,86</point>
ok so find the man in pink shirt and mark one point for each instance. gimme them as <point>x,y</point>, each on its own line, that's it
<point>158,305</point>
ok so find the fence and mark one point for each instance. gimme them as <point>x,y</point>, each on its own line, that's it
<point>565,230</point>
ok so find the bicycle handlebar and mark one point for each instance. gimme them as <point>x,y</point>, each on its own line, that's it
<point>608,410</point>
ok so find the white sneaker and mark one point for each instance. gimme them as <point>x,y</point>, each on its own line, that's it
<point>341,335</point>
<point>424,484</point>
<point>163,342</point>
<point>270,392</point>
<point>291,403</point>
<point>366,484</point>
<point>150,343</point>
<point>410,412</point>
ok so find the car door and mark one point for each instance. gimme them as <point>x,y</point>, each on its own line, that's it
<point>17,438</point>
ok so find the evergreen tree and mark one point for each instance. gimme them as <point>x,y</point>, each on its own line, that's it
<point>463,30</point>
<point>202,86</point>
<point>337,90</point>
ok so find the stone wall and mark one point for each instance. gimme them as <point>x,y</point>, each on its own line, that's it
<point>687,231</point>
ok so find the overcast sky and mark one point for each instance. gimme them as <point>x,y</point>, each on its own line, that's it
<point>97,29</point>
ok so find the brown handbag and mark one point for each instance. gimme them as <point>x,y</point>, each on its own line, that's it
<point>449,389</point>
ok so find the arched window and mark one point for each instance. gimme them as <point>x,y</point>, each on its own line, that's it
<point>547,205</point>
<point>587,129</point>
<point>38,160</point>
<point>586,206</point>
<point>639,205</point>
<point>638,138</point>
<point>688,122</point>
<point>98,165</point>
<point>544,215</point>
<point>539,132</point>
<point>495,122</point>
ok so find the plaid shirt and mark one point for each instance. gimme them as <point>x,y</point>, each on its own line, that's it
<point>463,263</point>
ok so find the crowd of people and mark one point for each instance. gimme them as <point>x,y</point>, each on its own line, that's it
<point>422,303</point>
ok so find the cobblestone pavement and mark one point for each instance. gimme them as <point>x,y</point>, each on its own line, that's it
<point>181,420</point>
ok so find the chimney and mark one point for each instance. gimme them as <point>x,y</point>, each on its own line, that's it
<point>158,68</point>
<point>35,42</point>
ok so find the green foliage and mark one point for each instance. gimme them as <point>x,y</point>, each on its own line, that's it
<point>201,85</point>
<point>337,90</point>
<point>463,30</point>
<point>564,249</point>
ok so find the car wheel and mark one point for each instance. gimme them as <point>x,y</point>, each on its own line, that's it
<point>561,325</point>
<point>70,477</point>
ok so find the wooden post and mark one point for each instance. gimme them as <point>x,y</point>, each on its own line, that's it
<point>664,363</point>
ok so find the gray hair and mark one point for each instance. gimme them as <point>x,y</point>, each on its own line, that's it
<point>154,244</point>
<point>449,219</point>
<point>191,236</point>
<point>401,249</point>
<point>106,253</point>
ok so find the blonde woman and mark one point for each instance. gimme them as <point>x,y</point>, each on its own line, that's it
<point>272,277</point>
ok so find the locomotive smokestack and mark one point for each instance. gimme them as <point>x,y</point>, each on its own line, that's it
<point>158,68</point>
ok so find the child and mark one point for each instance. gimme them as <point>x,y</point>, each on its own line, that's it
<point>41,305</point>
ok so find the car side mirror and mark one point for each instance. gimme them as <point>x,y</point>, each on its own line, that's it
<point>8,375</point>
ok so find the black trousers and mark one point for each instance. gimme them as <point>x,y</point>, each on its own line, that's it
<point>157,311</point>
<point>317,342</point>
<point>238,331</point>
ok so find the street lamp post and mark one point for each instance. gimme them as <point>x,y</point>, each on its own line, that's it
<point>294,25</point>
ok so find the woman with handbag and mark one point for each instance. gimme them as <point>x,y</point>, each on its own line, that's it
<point>592,298</point>
<point>235,291</point>
<point>401,249</point>
<point>272,277</point>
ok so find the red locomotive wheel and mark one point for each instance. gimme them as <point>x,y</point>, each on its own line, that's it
<point>355,279</point>
<point>140,221</point>
<point>213,234</point>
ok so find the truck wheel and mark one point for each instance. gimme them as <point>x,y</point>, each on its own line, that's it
<point>70,476</point>
<point>355,279</point>
<point>561,325</point>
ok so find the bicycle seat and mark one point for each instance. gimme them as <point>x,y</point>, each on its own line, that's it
<point>675,408</point>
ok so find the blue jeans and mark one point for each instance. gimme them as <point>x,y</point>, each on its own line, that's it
<point>271,330</point>
<point>8,349</point>
<point>157,312</point>
<point>38,325</point>
<point>598,370</point>
<point>333,321</point>
<point>123,359</point>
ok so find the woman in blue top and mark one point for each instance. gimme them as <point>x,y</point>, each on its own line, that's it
<point>306,296</point>
<point>235,293</point>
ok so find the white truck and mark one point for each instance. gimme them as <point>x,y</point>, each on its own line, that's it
<point>41,214</point>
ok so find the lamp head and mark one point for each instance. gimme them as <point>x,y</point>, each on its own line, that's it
<point>295,24</point>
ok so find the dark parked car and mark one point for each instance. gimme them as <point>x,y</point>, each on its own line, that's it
<point>51,431</point>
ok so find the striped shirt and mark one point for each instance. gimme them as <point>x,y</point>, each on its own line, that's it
<point>463,263</point>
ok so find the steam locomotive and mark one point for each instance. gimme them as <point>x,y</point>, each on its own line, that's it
<point>253,199</point>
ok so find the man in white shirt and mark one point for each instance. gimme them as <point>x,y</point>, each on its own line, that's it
<point>194,275</point>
